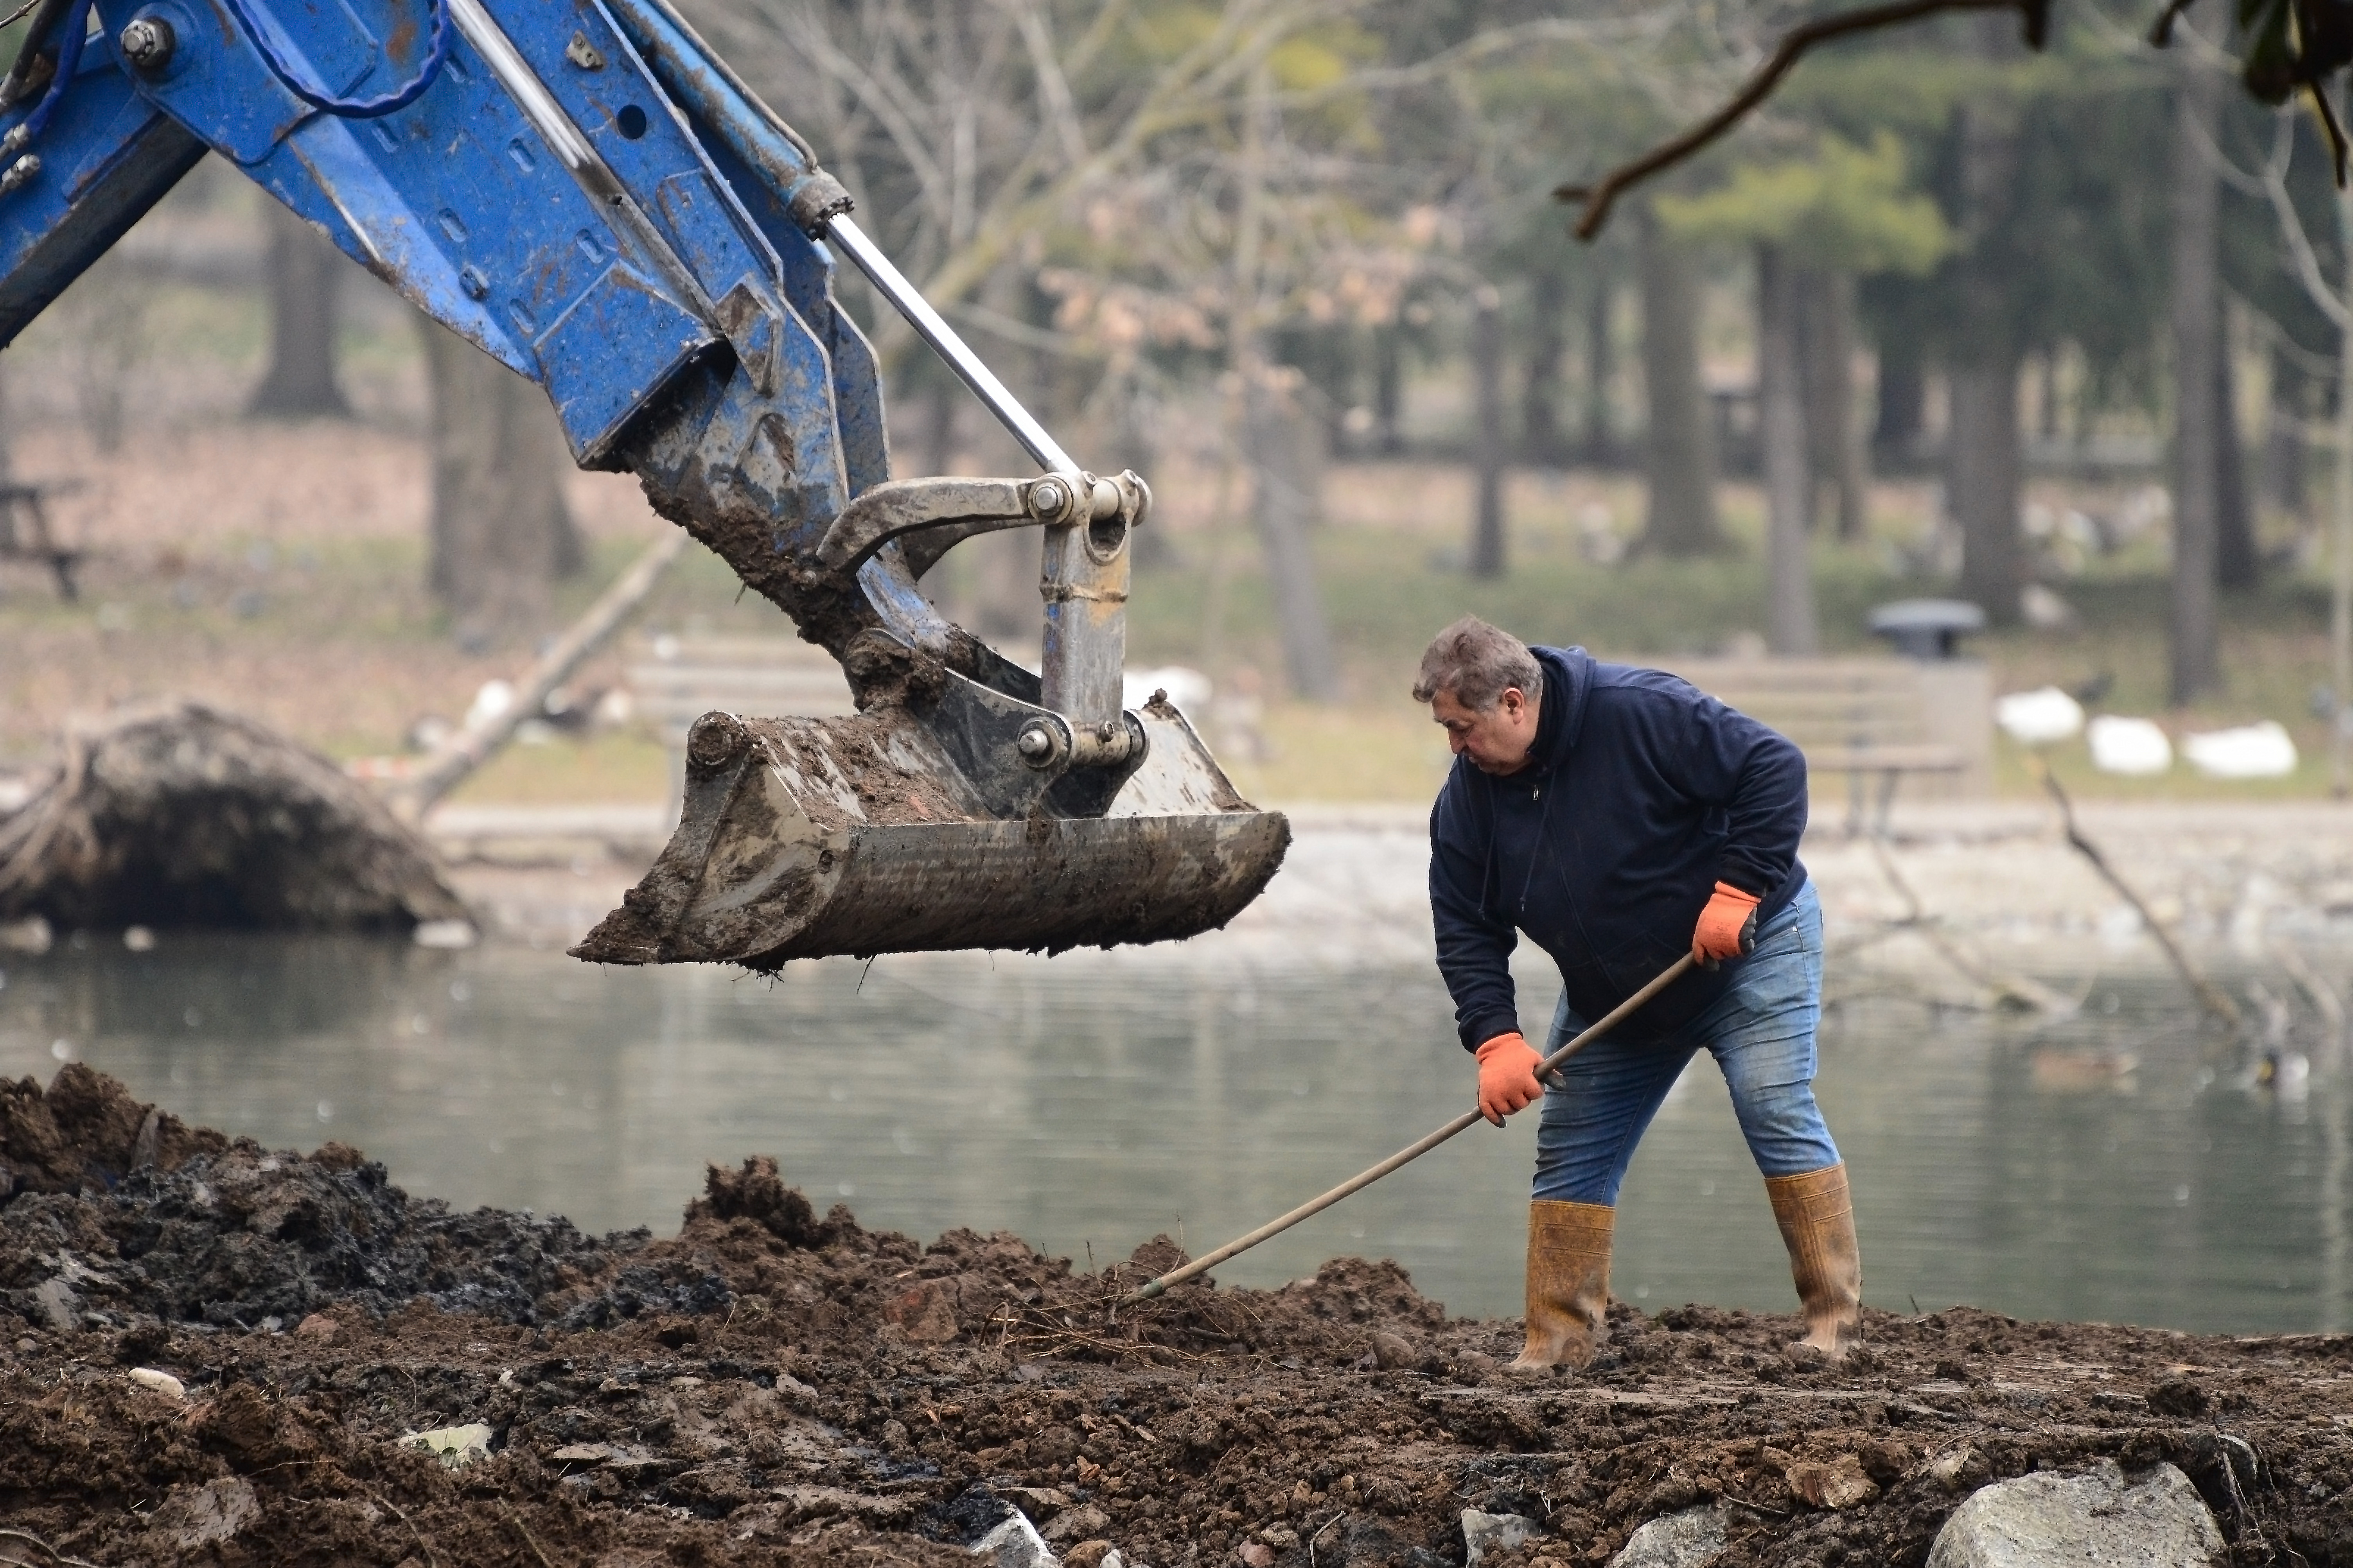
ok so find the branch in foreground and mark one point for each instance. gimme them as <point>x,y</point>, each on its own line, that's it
<point>2034,14</point>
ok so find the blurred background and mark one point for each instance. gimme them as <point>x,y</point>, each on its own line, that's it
<point>2054,335</point>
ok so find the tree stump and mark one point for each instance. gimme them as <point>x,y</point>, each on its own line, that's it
<point>174,814</point>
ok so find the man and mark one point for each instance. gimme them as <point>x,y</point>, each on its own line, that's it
<point>1619,818</point>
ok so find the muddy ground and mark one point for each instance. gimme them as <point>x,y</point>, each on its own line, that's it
<point>771,1386</point>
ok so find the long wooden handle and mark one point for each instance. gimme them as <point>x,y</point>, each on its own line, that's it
<point>1410,1153</point>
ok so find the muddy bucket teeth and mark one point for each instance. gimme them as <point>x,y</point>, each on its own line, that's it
<point>895,831</point>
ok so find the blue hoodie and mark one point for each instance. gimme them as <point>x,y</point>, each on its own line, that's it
<point>1641,793</point>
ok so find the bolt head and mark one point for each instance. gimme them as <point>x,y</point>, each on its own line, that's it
<point>1035,743</point>
<point>147,42</point>
<point>1047,497</point>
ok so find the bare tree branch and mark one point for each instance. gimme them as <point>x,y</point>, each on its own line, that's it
<point>1598,198</point>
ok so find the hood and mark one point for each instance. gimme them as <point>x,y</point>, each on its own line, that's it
<point>1567,685</point>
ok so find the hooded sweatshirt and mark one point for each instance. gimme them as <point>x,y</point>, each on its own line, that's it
<point>1640,793</point>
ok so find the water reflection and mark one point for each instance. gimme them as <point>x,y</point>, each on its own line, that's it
<point>2108,1168</point>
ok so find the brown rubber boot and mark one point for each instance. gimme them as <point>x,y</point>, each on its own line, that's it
<point>1817,1219</point>
<point>1568,1283</point>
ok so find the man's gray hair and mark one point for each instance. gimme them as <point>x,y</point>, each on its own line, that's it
<point>1477,663</point>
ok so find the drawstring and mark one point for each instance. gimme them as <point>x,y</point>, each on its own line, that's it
<point>1544,817</point>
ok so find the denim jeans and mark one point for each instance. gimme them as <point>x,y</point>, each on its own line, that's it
<point>1761,1033</point>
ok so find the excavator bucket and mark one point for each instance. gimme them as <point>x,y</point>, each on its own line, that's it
<point>969,802</point>
<point>802,837</point>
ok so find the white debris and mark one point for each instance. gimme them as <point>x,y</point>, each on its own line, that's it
<point>444,935</point>
<point>2038,718</point>
<point>456,1445</point>
<point>2264,750</point>
<point>2134,747</point>
<point>491,702</point>
<point>160,1382</point>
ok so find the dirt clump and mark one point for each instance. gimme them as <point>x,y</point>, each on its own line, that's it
<point>769,1386</point>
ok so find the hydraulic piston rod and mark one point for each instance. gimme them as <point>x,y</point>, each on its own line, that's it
<point>933,329</point>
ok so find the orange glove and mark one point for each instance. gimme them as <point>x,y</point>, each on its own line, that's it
<point>1507,1077</point>
<point>1727,927</point>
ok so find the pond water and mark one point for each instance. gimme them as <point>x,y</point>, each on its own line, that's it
<point>1088,1101</point>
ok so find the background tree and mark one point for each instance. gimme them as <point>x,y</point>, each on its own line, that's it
<point>305,271</point>
<point>1834,204</point>
<point>500,534</point>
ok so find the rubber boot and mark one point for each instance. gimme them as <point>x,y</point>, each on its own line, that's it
<point>1817,1219</point>
<point>1568,1283</point>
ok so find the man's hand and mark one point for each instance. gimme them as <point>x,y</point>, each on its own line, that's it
<point>1507,1077</point>
<point>1727,927</point>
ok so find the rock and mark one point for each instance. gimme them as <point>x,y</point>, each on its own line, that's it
<point>162,1383</point>
<point>2155,1520</point>
<point>1685,1540</point>
<point>1089,1554</point>
<point>202,1515</point>
<point>1084,1522</point>
<point>1956,1467</point>
<point>923,1314</point>
<point>1838,1484</point>
<point>60,1307</point>
<point>1015,1543</point>
<point>1489,1533</point>
<point>318,1326</point>
<point>1393,1353</point>
<point>1256,1554</point>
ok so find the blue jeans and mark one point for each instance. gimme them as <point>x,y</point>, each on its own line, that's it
<point>1761,1033</point>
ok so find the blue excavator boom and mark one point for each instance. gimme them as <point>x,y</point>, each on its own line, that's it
<point>585,191</point>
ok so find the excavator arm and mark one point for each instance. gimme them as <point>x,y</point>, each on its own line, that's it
<point>582,189</point>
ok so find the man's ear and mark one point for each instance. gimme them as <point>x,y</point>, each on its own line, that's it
<point>1513,701</point>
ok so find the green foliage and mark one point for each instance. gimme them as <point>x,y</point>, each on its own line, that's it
<point>1845,205</point>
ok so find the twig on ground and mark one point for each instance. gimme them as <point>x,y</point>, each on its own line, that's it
<point>402,1514</point>
<point>54,1556</point>
<point>524,1530</point>
<point>2210,996</point>
<point>1598,198</point>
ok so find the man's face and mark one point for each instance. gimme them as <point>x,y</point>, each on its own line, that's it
<point>1496,740</point>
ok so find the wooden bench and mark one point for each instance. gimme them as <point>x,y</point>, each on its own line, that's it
<point>674,680</point>
<point>1875,722</point>
<point>26,534</point>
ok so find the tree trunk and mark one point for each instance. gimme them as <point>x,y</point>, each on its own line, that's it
<point>1283,506</point>
<point>174,814</point>
<point>500,532</point>
<point>1781,428</point>
<point>1833,440</point>
<point>1600,369</point>
<point>1388,391</point>
<point>303,270</point>
<point>1983,484</point>
<point>1491,442</point>
<point>2284,447</point>
<point>1679,444</point>
<point>1983,472</point>
<point>1902,410</point>
<point>2196,653</point>
<point>2238,561</point>
<point>1547,348</point>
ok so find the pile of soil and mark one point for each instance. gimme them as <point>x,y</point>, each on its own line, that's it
<point>771,1386</point>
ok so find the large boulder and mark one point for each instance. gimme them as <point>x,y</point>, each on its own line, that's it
<point>2152,1519</point>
